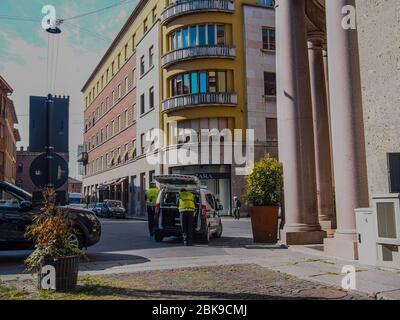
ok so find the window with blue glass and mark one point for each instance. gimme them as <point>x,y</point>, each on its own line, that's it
<point>211,81</point>
<point>198,35</point>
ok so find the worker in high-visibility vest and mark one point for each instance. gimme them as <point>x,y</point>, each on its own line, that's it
<point>151,200</point>
<point>187,209</point>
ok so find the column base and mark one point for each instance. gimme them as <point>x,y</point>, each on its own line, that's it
<point>341,248</point>
<point>327,224</point>
<point>291,238</point>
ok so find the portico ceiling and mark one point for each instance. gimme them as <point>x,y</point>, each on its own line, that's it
<point>315,13</point>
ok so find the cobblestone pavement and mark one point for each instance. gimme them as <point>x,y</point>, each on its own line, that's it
<point>241,282</point>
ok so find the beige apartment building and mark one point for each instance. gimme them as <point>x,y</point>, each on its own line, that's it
<point>9,135</point>
<point>197,64</point>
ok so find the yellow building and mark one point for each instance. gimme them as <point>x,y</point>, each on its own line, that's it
<point>177,63</point>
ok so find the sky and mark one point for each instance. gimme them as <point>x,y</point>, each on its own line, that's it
<point>29,61</point>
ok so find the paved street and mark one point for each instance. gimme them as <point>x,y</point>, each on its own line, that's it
<point>128,241</point>
<point>126,250</point>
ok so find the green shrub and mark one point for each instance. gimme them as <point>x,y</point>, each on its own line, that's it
<point>264,184</point>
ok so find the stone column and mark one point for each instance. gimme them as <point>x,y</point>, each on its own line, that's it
<point>348,141</point>
<point>296,134</point>
<point>323,161</point>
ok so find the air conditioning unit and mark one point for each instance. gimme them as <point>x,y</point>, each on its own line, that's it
<point>387,215</point>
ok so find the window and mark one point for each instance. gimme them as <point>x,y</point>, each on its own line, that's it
<point>142,143</point>
<point>113,97</point>
<point>134,113</point>
<point>199,82</point>
<point>119,92</point>
<point>119,61</point>
<point>193,36</point>
<point>142,65</point>
<point>202,35</point>
<point>134,149</point>
<point>154,15</point>
<point>119,123</point>
<point>268,38</point>
<point>8,200</point>
<point>220,34</point>
<point>133,77</point>
<point>113,128</point>
<point>107,132</point>
<point>152,174</point>
<point>126,119</point>
<point>211,34</point>
<point>185,37</point>
<point>151,98</point>
<point>112,68</point>
<point>394,172</point>
<point>151,56</point>
<point>145,26</point>
<point>142,107</point>
<point>133,42</point>
<point>126,52</point>
<point>269,84</point>
<point>268,3</point>
<point>107,103</point>
<point>272,128</point>
<point>126,85</point>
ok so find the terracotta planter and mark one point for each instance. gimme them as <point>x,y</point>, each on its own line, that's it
<point>264,221</point>
<point>66,273</point>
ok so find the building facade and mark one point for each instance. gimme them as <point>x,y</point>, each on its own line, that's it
<point>74,185</point>
<point>338,83</point>
<point>9,135</point>
<point>185,68</point>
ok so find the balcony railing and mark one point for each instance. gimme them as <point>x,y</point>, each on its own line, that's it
<point>199,99</point>
<point>186,7</point>
<point>213,51</point>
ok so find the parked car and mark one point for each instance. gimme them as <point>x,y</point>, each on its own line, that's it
<point>17,212</point>
<point>113,209</point>
<point>207,220</point>
<point>96,208</point>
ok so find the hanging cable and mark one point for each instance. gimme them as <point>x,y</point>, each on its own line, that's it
<point>56,63</point>
<point>100,10</point>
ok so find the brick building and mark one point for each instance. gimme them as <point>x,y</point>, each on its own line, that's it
<point>9,135</point>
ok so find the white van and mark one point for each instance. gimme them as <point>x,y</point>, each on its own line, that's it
<point>167,220</point>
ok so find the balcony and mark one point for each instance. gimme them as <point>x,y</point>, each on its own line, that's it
<point>209,51</point>
<point>198,100</point>
<point>187,7</point>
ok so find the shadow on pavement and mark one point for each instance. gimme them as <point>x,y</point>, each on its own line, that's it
<point>104,291</point>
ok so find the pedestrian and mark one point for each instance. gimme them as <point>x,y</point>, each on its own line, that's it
<point>236,208</point>
<point>151,199</point>
<point>187,210</point>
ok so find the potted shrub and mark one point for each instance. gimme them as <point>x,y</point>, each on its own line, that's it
<point>51,231</point>
<point>263,193</point>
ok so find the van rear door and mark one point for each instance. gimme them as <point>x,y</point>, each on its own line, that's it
<point>177,182</point>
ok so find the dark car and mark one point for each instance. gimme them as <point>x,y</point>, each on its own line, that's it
<point>17,212</point>
<point>113,209</point>
<point>96,208</point>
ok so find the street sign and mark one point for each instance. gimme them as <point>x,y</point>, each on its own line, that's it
<point>49,170</point>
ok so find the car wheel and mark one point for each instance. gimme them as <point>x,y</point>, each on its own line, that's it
<point>205,237</point>
<point>220,229</point>
<point>158,237</point>
<point>76,239</point>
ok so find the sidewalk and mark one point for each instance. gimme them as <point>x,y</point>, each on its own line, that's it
<point>296,261</point>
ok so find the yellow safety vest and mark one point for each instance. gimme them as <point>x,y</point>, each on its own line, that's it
<point>186,202</point>
<point>151,196</point>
